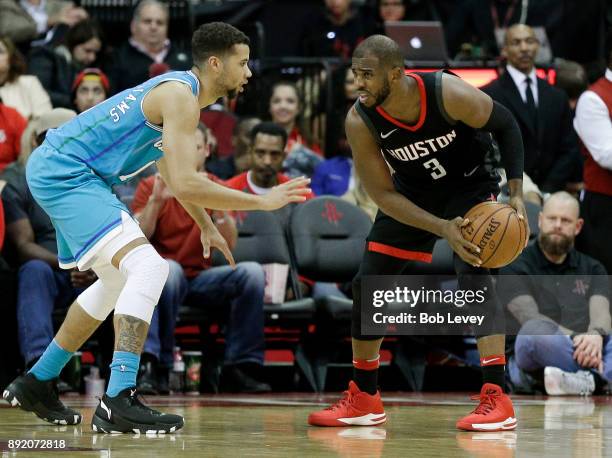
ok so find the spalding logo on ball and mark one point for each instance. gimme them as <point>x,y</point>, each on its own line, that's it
<point>497,230</point>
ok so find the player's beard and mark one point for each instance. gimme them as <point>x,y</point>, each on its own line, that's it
<point>558,246</point>
<point>383,93</point>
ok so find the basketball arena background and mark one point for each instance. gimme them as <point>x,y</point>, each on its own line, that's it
<point>300,56</point>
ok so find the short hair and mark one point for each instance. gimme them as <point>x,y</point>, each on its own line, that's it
<point>81,33</point>
<point>518,26</point>
<point>215,38</point>
<point>384,48</point>
<point>572,78</point>
<point>17,64</point>
<point>269,128</point>
<point>144,3</point>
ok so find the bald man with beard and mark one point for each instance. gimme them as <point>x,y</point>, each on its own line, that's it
<point>560,298</point>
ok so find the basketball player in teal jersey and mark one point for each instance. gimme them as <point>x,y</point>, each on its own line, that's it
<point>71,174</point>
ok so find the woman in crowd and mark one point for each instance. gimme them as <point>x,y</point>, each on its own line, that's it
<point>287,110</point>
<point>56,67</point>
<point>21,92</point>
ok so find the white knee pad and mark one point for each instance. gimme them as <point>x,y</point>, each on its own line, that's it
<point>146,273</point>
<point>100,298</point>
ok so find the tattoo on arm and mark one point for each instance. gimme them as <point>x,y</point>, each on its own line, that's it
<point>130,333</point>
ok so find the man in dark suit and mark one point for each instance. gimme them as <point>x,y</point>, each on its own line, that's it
<point>541,110</point>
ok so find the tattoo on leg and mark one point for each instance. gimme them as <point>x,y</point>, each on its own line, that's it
<point>130,333</point>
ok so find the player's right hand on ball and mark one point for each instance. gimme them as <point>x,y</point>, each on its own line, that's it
<point>292,191</point>
<point>465,249</point>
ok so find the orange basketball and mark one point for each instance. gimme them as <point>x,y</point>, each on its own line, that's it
<point>497,230</point>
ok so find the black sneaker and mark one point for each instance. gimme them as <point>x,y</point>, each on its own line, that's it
<point>40,397</point>
<point>125,413</point>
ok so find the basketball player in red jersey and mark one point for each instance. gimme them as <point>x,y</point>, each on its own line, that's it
<point>426,125</point>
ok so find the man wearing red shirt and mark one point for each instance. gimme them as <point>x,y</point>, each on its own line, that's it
<point>268,142</point>
<point>176,237</point>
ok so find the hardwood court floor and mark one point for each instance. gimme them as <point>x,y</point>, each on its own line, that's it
<point>419,425</point>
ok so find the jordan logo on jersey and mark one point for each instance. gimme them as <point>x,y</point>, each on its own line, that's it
<point>422,148</point>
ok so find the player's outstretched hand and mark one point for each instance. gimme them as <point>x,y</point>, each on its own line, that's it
<point>211,237</point>
<point>465,249</point>
<point>292,191</point>
<point>518,204</point>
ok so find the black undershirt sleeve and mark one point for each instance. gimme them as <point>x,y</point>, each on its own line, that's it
<point>506,131</point>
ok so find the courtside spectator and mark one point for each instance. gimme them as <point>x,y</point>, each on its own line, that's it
<point>147,45</point>
<point>572,79</point>
<point>287,110</point>
<point>560,297</point>
<point>267,155</point>
<point>241,141</point>
<point>593,123</point>
<point>268,141</point>
<point>19,91</point>
<point>57,66</point>
<point>90,87</point>
<point>539,109</point>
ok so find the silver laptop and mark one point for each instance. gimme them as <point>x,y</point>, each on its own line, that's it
<point>419,40</point>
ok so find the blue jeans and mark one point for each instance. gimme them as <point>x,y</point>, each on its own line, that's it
<point>325,289</point>
<point>242,288</point>
<point>540,344</point>
<point>40,290</point>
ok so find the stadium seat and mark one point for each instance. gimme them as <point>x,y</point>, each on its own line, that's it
<point>327,237</point>
<point>261,238</point>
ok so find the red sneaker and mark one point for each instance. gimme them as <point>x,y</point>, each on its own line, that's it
<point>494,413</point>
<point>355,408</point>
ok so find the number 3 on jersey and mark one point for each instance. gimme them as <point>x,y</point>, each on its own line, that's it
<point>437,169</point>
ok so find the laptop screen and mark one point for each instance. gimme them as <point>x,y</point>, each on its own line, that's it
<point>419,40</point>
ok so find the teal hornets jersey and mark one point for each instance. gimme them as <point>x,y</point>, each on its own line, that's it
<point>114,139</point>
